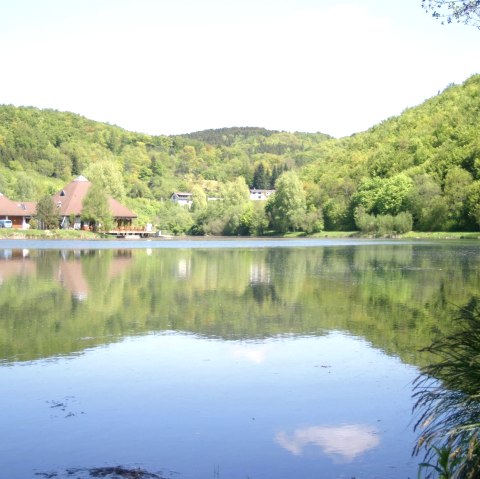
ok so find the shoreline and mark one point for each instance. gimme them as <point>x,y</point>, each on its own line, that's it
<point>90,236</point>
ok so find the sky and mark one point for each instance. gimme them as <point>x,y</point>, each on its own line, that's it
<point>177,66</point>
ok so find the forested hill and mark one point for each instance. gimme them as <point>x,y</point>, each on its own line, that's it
<point>425,162</point>
<point>228,136</point>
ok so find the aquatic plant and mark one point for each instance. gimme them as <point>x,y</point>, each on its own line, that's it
<point>445,465</point>
<point>447,394</point>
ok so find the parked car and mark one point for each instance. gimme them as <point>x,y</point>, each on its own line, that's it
<point>5,223</point>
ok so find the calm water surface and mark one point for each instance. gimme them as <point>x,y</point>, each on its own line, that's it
<point>230,359</point>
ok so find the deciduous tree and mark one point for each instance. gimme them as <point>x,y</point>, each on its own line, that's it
<point>473,202</point>
<point>108,174</point>
<point>427,204</point>
<point>96,209</point>
<point>456,187</point>
<point>287,207</point>
<point>199,199</point>
<point>460,11</point>
<point>47,213</point>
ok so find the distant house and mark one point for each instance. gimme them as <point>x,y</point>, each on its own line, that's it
<point>69,201</point>
<point>181,198</point>
<point>260,195</point>
<point>19,212</point>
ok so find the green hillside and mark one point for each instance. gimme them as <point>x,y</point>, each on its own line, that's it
<point>426,161</point>
<point>423,164</point>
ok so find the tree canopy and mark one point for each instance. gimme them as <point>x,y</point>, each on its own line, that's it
<point>96,210</point>
<point>460,11</point>
<point>287,207</point>
<point>47,214</point>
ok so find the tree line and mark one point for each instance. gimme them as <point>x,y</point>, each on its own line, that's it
<point>423,165</point>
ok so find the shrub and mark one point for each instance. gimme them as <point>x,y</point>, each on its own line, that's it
<point>403,223</point>
<point>365,223</point>
<point>382,225</point>
<point>385,225</point>
<point>33,224</point>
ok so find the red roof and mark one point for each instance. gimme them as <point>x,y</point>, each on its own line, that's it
<point>16,208</point>
<point>70,200</point>
<point>120,211</point>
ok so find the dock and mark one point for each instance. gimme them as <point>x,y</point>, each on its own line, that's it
<point>133,233</point>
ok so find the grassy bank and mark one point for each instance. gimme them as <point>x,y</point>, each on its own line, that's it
<point>48,234</point>
<point>448,235</point>
<point>77,234</point>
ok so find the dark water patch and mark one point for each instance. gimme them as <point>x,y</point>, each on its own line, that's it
<point>105,472</point>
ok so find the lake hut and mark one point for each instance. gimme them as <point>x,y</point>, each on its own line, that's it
<point>69,201</point>
<point>18,212</point>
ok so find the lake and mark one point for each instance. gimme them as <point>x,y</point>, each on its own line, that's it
<point>220,359</point>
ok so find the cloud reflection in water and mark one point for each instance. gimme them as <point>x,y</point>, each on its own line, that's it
<point>255,354</point>
<point>344,443</point>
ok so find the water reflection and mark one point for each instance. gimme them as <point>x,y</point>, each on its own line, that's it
<point>192,405</point>
<point>282,362</point>
<point>396,296</point>
<point>254,353</point>
<point>70,275</point>
<point>343,443</point>
<point>259,273</point>
<point>72,272</point>
<point>15,263</point>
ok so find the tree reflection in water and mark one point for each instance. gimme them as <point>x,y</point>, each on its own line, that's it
<point>447,394</point>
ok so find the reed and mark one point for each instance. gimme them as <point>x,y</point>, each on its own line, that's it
<point>447,406</point>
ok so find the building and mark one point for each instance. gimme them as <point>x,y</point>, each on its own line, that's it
<point>19,212</point>
<point>182,198</point>
<point>70,204</point>
<point>260,195</point>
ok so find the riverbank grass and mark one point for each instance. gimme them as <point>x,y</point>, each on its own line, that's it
<point>441,235</point>
<point>7,233</point>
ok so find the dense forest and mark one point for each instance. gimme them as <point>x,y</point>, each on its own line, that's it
<point>419,170</point>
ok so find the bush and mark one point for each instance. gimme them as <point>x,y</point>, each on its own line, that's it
<point>365,223</point>
<point>313,221</point>
<point>175,218</point>
<point>383,225</point>
<point>403,223</point>
<point>254,220</point>
<point>33,224</point>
